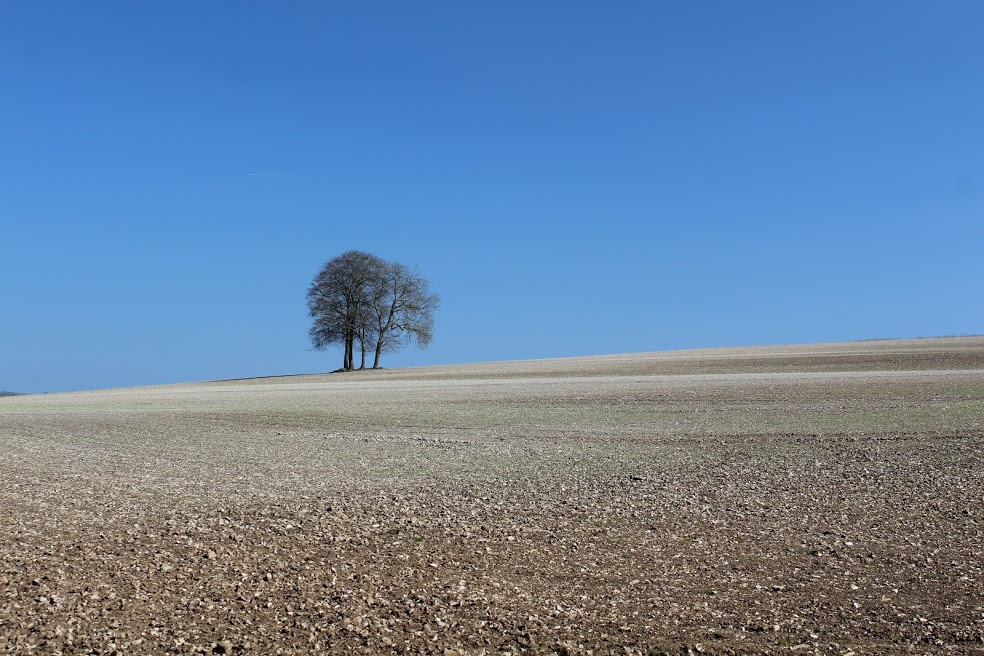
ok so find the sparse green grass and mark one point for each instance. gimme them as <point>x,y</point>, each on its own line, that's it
<point>717,634</point>
<point>657,651</point>
<point>312,432</point>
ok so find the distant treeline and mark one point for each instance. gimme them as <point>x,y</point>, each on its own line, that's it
<point>10,394</point>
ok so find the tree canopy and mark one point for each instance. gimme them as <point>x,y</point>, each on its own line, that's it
<point>382,305</point>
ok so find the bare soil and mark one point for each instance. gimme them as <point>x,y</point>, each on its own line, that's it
<point>822,499</point>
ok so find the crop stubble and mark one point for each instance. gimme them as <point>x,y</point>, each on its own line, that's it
<point>816,499</point>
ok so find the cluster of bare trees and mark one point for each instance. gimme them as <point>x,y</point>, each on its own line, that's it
<point>359,297</point>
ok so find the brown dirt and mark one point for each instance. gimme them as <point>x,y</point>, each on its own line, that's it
<point>821,499</point>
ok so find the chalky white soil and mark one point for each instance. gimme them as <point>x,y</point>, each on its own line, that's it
<point>803,499</point>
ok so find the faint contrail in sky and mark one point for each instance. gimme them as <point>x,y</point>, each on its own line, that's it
<point>271,175</point>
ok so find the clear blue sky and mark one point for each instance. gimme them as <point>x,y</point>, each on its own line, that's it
<point>574,178</point>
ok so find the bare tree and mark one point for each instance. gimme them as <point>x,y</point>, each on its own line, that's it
<point>384,305</point>
<point>402,307</point>
<point>338,301</point>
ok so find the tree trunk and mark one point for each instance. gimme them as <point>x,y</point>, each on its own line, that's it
<point>362,346</point>
<point>379,352</point>
<point>347,359</point>
<point>384,328</point>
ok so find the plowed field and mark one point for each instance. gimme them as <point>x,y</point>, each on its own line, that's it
<point>822,499</point>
